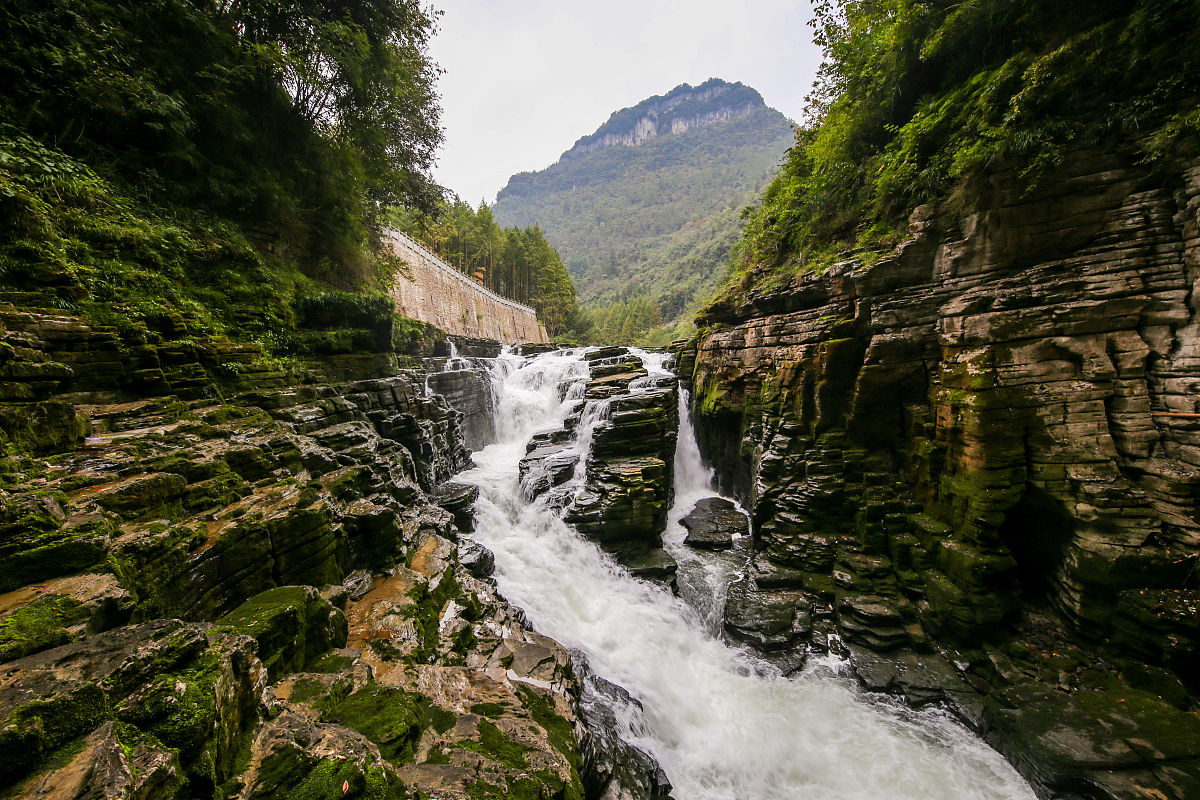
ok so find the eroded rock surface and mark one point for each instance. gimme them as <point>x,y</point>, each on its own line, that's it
<point>631,421</point>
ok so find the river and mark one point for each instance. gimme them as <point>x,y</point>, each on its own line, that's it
<point>723,724</point>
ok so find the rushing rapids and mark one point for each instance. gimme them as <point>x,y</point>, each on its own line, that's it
<point>722,723</point>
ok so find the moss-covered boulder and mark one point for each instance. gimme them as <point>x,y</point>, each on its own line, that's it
<point>113,762</point>
<point>47,427</point>
<point>151,496</point>
<point>39,540</point>
<point>299,758</point>
<point>291,624</point>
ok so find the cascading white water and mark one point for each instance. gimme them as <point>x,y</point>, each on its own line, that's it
<point>702,578</point>
<point>720,723</point>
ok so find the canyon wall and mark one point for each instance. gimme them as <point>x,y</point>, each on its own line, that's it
<point>429,290</point>
<point>1000,414</point>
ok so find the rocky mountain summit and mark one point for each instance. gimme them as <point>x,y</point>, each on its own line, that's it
<point>680,109</point>
<point>976,462</point>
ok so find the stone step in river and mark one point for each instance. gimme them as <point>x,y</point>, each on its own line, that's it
<point>722,723</point>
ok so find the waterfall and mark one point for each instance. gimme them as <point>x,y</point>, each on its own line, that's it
<point>703,577</point>
<point>723,725</point>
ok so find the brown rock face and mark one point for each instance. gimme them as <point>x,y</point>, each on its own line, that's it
<point>1002,410</point>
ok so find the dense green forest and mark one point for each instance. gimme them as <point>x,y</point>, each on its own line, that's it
<point>517,263</point>
<point>214,162</point>
<point>657,220</point>
<point>918,100</point>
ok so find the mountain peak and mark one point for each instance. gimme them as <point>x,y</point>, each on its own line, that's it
<point>683,107</point>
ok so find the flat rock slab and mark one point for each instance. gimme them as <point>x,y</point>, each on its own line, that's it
<point>654,565</point>
<point>1065,742</point>
<point>713,523</point>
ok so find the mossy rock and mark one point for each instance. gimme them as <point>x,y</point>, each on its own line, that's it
<point>295,774</point>
<point>38,549</point>
<point>216,492</point>
<point>179,708</point>
<point>292,625</point>
<point>1061,741</point>
<point>152,496</point>
<point>251,463</point>
<point>391,718</point>
<point>46,427</point>
<point>40,625</point>
<point>38,728</point>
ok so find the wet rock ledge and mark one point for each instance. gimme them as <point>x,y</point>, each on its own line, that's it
<point>260,597</point>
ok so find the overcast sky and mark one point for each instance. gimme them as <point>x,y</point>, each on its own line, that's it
<point>525,78</point>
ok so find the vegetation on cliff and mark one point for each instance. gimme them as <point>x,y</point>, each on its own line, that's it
<point>207,161</point>
<point>658,219</point>
<point>917,100</point>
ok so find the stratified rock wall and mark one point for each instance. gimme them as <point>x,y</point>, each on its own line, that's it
<point>1002,410</point>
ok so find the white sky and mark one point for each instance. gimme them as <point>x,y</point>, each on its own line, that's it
<point>525,78</point>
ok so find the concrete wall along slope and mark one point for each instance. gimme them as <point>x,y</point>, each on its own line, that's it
<point>432,291</point>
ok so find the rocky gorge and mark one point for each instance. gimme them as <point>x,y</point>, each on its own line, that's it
<point>241,583</point>
<point>277,588</point>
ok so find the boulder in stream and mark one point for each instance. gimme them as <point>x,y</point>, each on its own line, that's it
<point>713,524</point>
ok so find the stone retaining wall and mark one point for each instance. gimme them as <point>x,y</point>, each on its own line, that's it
<point>432,291</point>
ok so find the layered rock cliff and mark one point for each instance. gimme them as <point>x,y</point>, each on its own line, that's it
<point>988,440</point>
<point>253,588</point>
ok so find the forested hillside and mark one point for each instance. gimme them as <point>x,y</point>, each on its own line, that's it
<point>210,164</point>
<point>649,204</point>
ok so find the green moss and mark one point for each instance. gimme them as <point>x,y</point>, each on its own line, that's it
<point>216,492</point>
<point>495,745</point>
<point>391,718</point>
<point>42,726</point>
<point>292,625</point>
<point>54,761</point>
<point>34,548</point>
<point>541,785</point>
<point>148,568</point>
<point>437,755</point>
<point>290,774</point>
<point>490,710</point>
<point>560,732</point>
<point>179,708</point>
<point>426,611</point>
<point>244,414</point>
<point>305,689</point>
<point>40,625</point>
<point>317,692</point>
